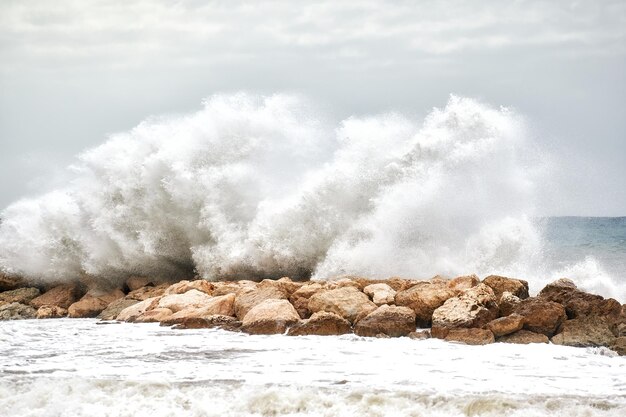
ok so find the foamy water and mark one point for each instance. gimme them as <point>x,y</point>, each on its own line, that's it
<point>76,367</point>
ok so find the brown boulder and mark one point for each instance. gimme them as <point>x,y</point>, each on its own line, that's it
<point>222,306</point>
<point>51,312</point>
<point>61,296</point>
<point>8,283</point>
<point>579,303</point>
<point>155,315</point>
<point>474,307</point>
<point>508,303</point>
<point>231,287</point>
<point>321,324</point>
<point>211,322</point>
<point>524,337</point>
<point>463,283</point>
<point>135,282</point>
<point>248,297</point>
<point>499,285</point>
<point>284,284</point>
<point>390,320</point>
<point>424,298</point>
<point>541,316</point>
<point>271,316</point>
<point>20,295</point>
<point>380,293</point>
<point>506,325</point>
<point>130,313</point>
<point>113,309</point>
<point>348,302</point>
<point>470,336</point>
<point>619,345</point>
<point>584,332</point>
<point>17,311</point>
<point>144,293</point>
<point>190,299</point>
<point>300,298</point>
<point>182,287</point>
<point>93,304</point>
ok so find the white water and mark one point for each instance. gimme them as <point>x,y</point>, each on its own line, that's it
<point>75,367</point>
<point>261,186</point>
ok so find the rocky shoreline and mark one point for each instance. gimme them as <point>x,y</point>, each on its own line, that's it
<point>463,309</point>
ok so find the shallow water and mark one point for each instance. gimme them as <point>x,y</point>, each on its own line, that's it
<point>77,367</point>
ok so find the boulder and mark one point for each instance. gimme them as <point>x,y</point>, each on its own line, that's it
<point>51,312</point>
<point>144,293</point>
<point>424,298</point>
<point>508,303</point>
<point>584,332</point>
<point>284,284</point>
<point>579,303</point>
<point>8,283</point>
<point>248,297</point>
<point>182,287</point>
<point>190,299</point>
<point>474,307</point>
<point>211,322</point>
<point>499,285</point>
<point>93,303</point>
<point>321,324</point>
<point>541,316</point>
<point>20,295</point>
<point>115,308</point>
<point>155,315</point>
<point>524,337</point>
<point>228,287</point>
<point>222,306</point>
<point>17,311</point>
<point>390,320</point>
<point>61,296</point>
<point>506,325</point>
<point>422,334</point>
<point>380,293</point>
<point>271,316</point>
<point>136,282</point>
<point>300,298</point>
<point>619,345</point>
<point>348,302</point>
<point>470,336</point>
<point>463,283</point>
<point>132,312</point>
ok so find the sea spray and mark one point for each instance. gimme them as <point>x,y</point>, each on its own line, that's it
<point>252,187</point>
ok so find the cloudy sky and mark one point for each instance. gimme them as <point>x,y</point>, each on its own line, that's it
<point>74,71</point>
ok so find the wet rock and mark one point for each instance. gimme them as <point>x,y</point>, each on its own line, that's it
<point>579,303</point>
<point>211,322</point>
<point>508,303</point>
<point>51,312</point>
<point>422,334</point>
<point>392,321</point>
<point>619,345</point>
<point>470,336</point>
<point>524,337</point>
<point>8,283</point>
<point>300,298</point>
<point>321,324</point>
<point>223,305</point>
<point>93,304</point>
<point>499,285</point>
<point>136,282</point>
<point>17,311</point>
<point>474,307</point>
<point>20,295</point>
<point>190,299</point>
<point>132,312</point>
<point>541,316</point>
<point>184,286</point>
<point>271,316</point>
<point>150,291</point>
<point>112,310</point>
<point>61,296</point>
<point>424,298</point>
<point>155,315</point>
<point>463,283</point>
<point>249,297</point>
<point>380,293</point>
<point>584,332</point>
<point>348,302</point>
<point>506,325</point>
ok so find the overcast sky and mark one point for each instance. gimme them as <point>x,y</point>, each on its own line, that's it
<point>73,71</point>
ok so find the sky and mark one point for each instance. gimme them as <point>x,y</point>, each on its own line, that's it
<point>75,71</point>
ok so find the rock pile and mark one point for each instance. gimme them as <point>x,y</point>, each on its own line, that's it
<point>464,309</point>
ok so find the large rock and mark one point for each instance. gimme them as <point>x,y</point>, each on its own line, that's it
<point>348,302</point>
<point>190,299</point>
<point>499,285</point>
<point>149,291</point>
<point>271,316</point>
<point>389,320</point>
<point>182,287</point>
<point>93,304</point>
<point>284,284</point>
<point>211,322</point>
<point>51,312</point>
<point>132,312</point>
<point>135,282</point>
<point>231,287</point>
<point>508,303</point>
<point>222,306</point>
<point>541,316</point>
<point>158,314</point>
<point>463,283</point>
<point>474,307</point>
<point>506,325</point>
<point>579,303</point>
<point>584,332</point>
<point>619,345</point>
<point>249,297</point>
<point>61,296</point>
<point>524,337</point>
<point>380,293</point>
<point>20,295</point>
<point>300,298</point>
<point>321,324</point>
<point>8,283</point>
<point>424,298</point>
<point>470,336</point>
<point>17,311</point>
<point>115,308</point>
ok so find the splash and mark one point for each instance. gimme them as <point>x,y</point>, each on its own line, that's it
<point>261,187</point>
